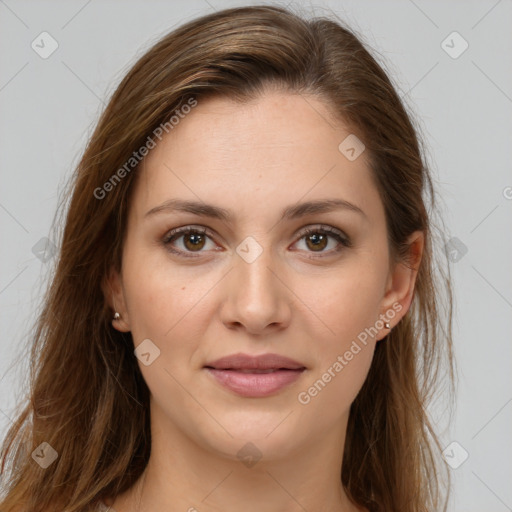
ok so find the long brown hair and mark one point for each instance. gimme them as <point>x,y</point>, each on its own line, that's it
<point>88,400</point>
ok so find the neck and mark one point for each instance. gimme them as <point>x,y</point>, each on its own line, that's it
<point>184,475</point>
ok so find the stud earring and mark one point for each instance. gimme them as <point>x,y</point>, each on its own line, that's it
<point>387,326</point>
<point>117,316</point>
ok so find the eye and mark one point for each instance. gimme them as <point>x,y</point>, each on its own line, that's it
<point>194,239</point>
<point>317,239</point>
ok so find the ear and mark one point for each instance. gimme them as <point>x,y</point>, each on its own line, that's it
<point>112,286</point>
<point>400,285</point>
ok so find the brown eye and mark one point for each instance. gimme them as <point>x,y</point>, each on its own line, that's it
<point>317,239</point>
<point>194,240</point>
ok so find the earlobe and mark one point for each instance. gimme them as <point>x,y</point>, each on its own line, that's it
<point>119,323</point>
<point>114,295</point>
<point>401,283</point>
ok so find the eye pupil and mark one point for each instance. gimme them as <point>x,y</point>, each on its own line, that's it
<point>195,239</point>
<point>319,240</point>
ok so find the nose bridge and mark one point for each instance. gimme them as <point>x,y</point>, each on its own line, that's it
<point>257,297</point>
<point>253,266</point>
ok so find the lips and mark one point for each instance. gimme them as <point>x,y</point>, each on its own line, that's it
<point>255,376</point>
<point>264,363</point>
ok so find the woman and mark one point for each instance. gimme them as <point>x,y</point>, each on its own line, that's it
<point>246,307</point>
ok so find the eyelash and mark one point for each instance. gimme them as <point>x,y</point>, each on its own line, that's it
<point>343,240</point>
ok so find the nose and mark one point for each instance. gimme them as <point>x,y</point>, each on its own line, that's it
<point>257,297</point>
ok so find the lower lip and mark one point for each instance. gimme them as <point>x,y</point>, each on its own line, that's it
<point>255,385</point>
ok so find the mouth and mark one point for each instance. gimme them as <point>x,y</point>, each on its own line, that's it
<point>241,362</point>
<point>247,370</point>
<point>255,376</point>
<point>255,383</point>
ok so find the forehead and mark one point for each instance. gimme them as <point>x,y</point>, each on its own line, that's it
<point>276,149</point>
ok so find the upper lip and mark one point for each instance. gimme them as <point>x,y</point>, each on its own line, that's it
<point>262,362</point>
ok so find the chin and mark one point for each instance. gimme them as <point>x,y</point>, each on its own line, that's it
<point>270,437</point>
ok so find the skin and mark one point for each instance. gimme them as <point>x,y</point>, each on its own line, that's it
<point>253,159</point>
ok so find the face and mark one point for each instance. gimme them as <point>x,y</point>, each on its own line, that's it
<point>311,285</point>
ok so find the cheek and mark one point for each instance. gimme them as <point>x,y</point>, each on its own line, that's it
<point>170,307</point>
<point>344,305</point>
<point>159,298</point>
<point>343,352</point>
<point>326,398</point>
<point>348,308</point>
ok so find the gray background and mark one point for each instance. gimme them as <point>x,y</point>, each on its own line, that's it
<point>464,105</point>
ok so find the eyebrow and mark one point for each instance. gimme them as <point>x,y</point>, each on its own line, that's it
<point>291,212</point>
